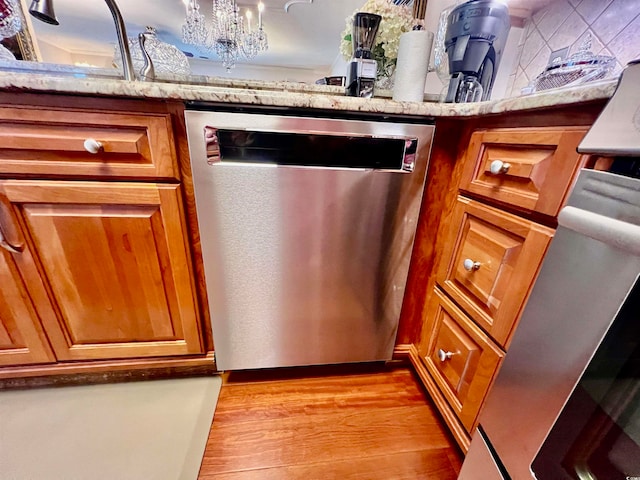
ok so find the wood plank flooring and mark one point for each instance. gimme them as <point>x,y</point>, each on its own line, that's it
<point>371,424</point>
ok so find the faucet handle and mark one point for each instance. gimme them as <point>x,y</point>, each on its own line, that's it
<point>147,72</point>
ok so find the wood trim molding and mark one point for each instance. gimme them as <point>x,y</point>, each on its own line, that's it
<point>402,351</point>
<point>457,430</point>
<point>419,9</point>
<point>108,366</point>
<point>193,231</point>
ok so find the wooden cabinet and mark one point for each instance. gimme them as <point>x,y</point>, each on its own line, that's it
<point>461,358</point>
<point>95,257</point>
<point>22,340</point>
<point>37,141</point>
<point>490,260</point>
<point>525,167</point>
<point>512,182</point>
<point>113,258</point>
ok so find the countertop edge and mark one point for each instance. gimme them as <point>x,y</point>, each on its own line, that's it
<point>43,83</point>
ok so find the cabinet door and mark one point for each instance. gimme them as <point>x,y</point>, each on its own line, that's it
<point>22,340</point>
<point>490,261</point>
<point>532,167</point>
<point>114,260</point>
<point>460,357</point>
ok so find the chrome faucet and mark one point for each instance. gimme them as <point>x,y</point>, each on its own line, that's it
<point>147,72</point>
<point>43,10</point>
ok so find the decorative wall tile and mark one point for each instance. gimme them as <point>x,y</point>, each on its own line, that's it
<point>518,53</point>
<point>572,28</point>
<point>557,13</point>
<point>614,26</point>
<point>531,47</point>
<point>591,9</point>
<point>627,43</point>
<point>615,18</point>
<point>596,44</point>
<point>520,82</point>
<point>510,82</point>
<point>539,15</point>
<point>526,30</point>
<point>539,62</point>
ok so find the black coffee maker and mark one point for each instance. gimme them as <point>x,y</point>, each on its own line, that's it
<point>476,35</point>
<point>361,74</point>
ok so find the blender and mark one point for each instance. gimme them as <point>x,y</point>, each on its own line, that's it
<point>361,74</point>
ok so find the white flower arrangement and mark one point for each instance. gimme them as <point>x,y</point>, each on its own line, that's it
<point>396,19</point>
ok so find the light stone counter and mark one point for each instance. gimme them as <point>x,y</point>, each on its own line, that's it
<point>286,94</point>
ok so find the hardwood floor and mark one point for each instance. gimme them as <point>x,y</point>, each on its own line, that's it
<point>371,424</point>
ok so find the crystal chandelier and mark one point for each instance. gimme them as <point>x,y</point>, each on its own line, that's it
<point>229,37</point>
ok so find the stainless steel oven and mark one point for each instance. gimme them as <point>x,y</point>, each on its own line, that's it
<point>566,403</point>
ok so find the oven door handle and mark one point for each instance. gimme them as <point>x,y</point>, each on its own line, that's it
<point>617,233</point>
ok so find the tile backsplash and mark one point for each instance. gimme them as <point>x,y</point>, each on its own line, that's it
<point>614,26</point>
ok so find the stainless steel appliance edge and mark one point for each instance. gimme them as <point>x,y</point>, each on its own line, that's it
<point>304,265</point>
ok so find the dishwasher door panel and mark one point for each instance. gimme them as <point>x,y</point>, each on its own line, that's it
<point>303,265</point>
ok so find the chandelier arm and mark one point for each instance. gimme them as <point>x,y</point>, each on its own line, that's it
<point>226,37</point>
<point>288,5</point>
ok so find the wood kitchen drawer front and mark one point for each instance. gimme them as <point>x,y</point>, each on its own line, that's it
<point>537,166</point>
<point>52,142</point>
<point>489,263</point>
<point>460,357</point>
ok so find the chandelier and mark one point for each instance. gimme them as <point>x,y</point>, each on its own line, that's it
<point>230,37</point>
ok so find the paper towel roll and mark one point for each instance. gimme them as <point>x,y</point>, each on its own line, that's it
<point>412,65</point>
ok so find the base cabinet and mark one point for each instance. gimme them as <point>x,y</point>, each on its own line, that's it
<point>493,257</point>
<point>512,183</point>
<point>112,258</point>
<point>461,358</point>
<point>22,340</point>
<point>95,251</point>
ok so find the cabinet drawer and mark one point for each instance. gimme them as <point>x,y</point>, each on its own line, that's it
<point>489,263</point>
<point>461,359</point>
<point>537,166</point>
<point>52,142</point>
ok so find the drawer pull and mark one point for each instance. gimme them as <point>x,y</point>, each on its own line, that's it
<point>469,265</point>
<point>444,356</point>
<point>498,166</point>
<point>7,246</point>
<point>93,146</point>
<point>10,237</point>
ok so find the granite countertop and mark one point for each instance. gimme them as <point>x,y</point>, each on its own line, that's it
<point>287,94</point>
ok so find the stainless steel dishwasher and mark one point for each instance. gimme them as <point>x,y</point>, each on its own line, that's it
<point>307,228</point>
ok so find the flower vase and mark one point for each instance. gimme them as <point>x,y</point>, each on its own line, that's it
<point>385,75</point>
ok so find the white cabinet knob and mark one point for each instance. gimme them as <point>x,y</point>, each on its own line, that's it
<point>498,166</point>
<point>93,146</point>
<point>442,355</point>
<point>469,265</point>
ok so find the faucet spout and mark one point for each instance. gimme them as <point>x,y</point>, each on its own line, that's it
<point>43,10</point>
<point>123,44</point>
